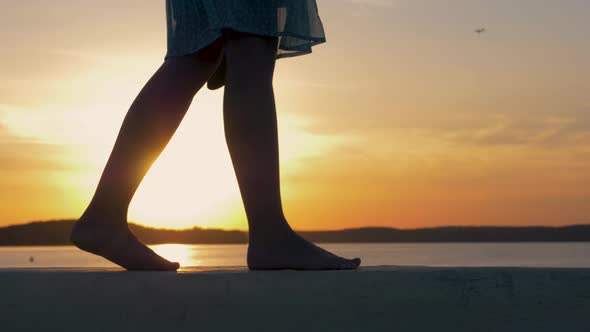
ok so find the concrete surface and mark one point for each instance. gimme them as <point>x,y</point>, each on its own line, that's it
<point>370,299</point>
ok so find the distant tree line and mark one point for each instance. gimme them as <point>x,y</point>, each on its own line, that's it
<point>57,232</point>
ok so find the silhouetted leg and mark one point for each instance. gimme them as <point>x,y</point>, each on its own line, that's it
<point>148,127</point>
<point>251,132</point>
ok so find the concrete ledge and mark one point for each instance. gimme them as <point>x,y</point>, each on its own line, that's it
<point>371,299</point>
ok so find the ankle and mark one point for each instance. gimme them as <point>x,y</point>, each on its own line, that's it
<point>107,215</point>
<point>269,232</point>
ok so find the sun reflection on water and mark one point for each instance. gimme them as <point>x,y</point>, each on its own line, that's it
<point>180,253</point>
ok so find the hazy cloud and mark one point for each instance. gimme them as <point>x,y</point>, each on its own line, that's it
<point>376,3</point>
<point>570,128</point>
<point>367,8</point>
<point>566,128</point>
<point>21,156</point>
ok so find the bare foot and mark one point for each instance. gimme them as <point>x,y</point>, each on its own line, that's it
<point>291,251</point>
<point>118,245</point>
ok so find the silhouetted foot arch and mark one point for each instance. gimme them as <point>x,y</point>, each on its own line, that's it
<point>290,251</point>
<point>118,245</point>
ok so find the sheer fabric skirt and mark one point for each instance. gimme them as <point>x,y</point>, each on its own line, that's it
<point>194,24</point>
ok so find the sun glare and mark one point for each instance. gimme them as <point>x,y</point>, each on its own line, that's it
<point>176,253</point>
<point>191,184</point>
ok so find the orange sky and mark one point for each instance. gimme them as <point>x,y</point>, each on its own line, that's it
<point>405,118</point>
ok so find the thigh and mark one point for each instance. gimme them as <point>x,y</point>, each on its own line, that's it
<point>197,67</point>
<point>249,56</point>
<point>212,52</point>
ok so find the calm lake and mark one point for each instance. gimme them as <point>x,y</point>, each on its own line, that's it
<point>570,254</point>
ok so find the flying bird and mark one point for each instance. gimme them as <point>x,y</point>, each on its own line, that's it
<point>480,31</point>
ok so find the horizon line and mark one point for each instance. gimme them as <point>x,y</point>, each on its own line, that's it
<point>135,223</point>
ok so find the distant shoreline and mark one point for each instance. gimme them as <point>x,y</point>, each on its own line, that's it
<point>56,233</point>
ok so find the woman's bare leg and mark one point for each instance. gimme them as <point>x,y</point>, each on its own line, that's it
<point>148,127</point>
<point>251,132</point>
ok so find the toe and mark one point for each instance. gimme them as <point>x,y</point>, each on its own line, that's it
<point>337,263</point>
<point>349,265</point>
<point>356,262</point>
<point>343,264</point>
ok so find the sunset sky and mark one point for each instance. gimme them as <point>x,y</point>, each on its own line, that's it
<point>404,118</point>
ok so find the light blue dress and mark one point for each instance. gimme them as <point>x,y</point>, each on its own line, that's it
<point>194,24</point>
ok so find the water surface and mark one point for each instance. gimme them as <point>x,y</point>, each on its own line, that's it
<point>570,254</point>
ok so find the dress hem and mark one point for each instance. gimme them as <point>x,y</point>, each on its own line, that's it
<point>216,33</point>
